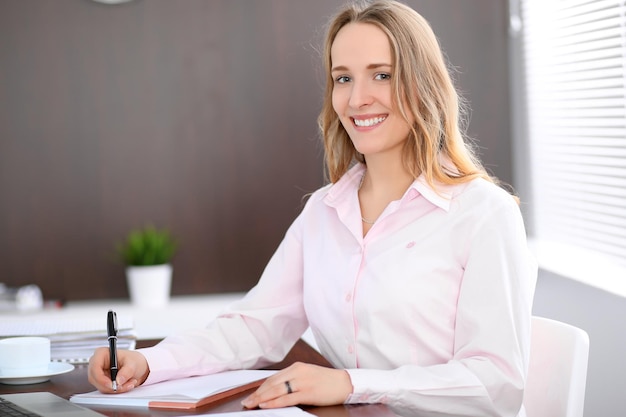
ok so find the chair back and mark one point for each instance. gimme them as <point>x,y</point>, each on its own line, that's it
<point>557,374</point>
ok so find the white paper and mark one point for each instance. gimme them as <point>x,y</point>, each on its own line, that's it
<point>177,390</point>
<point>274,412</point>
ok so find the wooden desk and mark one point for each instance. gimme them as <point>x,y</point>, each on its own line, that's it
<point>74,382</point>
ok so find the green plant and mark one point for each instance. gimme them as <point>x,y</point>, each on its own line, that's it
<point>147,246</point>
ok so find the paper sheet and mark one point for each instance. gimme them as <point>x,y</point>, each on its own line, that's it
<point>275,412</point>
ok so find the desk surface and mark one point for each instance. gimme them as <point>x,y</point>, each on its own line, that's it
<point>74,382</point>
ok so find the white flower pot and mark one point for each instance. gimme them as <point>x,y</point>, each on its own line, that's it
<point>149,286</point>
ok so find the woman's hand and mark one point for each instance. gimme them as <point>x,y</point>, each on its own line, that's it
<point>310,385</point>
<point>133,370</point>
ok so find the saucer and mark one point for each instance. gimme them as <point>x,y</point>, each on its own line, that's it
<point>54,368</point>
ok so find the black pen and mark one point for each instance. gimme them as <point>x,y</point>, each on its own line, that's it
<point>112,332</point>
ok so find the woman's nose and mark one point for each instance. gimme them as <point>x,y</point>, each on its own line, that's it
<point>360,95</point>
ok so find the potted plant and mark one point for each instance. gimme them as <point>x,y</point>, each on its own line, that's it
<point>147,254</point>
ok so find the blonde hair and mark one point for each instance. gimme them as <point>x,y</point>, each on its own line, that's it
<point>421,81</point>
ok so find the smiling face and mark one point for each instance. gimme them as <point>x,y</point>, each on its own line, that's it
<point>362,67</point>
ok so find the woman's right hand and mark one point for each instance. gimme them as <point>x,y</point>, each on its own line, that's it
<point>133,370</point>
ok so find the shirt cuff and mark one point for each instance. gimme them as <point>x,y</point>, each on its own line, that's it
<point>161,364</point>
<point>361,393</point>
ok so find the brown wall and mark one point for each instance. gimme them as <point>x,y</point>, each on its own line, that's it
<point>196,115</point>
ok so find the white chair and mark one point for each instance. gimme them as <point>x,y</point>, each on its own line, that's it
<point>557,375</point>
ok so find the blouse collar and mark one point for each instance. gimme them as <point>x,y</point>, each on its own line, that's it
<point>349,183</point>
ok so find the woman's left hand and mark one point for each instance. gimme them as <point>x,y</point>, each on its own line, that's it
<point>309,384</point>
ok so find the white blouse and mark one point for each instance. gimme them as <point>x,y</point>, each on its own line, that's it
<point>430,311</point>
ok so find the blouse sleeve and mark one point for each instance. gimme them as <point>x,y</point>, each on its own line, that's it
<point>487,373</point>
<point>256,331</point>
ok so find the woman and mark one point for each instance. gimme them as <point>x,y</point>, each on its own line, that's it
<point>410,267</point>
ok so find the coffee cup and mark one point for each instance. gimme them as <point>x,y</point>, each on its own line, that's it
<point>24,356</point>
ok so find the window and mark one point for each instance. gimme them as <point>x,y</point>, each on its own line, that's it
<point>574,64</point>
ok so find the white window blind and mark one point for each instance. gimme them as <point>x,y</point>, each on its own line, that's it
<point>575,82</point>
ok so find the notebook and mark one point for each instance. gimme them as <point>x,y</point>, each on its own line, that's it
<point>46,404</point>
<point>185,393</point>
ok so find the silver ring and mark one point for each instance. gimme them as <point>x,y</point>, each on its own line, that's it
<point>288,385</point>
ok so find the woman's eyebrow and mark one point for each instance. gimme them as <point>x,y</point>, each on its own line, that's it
<point>369,67</point>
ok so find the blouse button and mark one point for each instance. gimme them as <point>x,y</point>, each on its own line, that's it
<point>348,297</point>
<point>350,349</point>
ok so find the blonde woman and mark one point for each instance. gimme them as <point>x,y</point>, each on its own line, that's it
<point>410,266</point>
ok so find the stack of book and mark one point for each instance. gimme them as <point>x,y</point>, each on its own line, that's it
<point>72,340</point>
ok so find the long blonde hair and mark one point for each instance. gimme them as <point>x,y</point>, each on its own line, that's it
<point>422,81</point>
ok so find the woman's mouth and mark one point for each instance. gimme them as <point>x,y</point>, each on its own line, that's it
<point>368,122</point>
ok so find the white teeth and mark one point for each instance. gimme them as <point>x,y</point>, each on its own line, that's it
<point>368,122</point>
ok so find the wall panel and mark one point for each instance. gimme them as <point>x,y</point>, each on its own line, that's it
<point>196,115</point>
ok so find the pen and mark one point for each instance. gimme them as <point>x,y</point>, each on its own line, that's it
<point>112,332</point>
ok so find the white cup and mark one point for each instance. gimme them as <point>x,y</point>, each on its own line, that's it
<point>24,356</point>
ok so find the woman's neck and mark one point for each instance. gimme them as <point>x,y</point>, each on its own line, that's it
<point>388,180</point>
<point>381,184</point>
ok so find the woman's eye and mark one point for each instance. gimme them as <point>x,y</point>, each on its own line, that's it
<point>383,76</point>
<point>342,79</point>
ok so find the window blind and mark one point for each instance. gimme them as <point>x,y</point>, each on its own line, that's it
<point>575,86</point>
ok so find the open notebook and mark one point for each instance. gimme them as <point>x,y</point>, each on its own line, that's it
<point>186,393</point>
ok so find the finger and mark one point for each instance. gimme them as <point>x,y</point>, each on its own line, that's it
<point>98,372</point>
<point>127,386</point>
<point>271,389</point>
<point>125,373</point>
<point>287,396</point>
<point>280,402</point>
